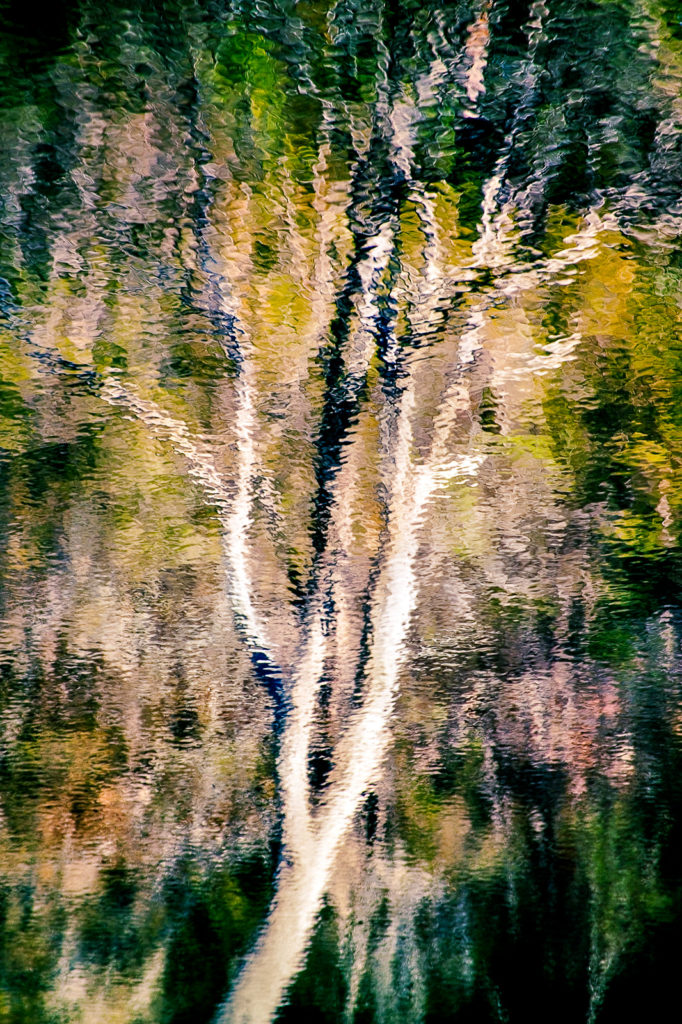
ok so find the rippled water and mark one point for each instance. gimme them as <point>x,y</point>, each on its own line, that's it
<point>341,457</point>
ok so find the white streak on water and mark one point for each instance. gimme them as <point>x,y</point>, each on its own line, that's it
<point>233,510</point>
<point>279,953</point>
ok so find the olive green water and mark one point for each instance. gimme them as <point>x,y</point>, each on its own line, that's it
<point>340,512</point>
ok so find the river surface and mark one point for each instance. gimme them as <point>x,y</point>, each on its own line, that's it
<point>340,511</point>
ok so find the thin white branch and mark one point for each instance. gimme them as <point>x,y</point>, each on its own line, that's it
<point>233,510</point>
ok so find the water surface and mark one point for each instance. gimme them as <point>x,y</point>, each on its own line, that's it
<point>341,457</point>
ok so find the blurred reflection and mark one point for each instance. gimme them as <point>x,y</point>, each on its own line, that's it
<point>341,453</point>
